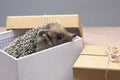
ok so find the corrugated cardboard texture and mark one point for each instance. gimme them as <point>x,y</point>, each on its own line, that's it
<point>92,66</point>
<point>27,22</point>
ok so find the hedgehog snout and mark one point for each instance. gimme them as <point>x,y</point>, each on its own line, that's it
<point>73,35</point>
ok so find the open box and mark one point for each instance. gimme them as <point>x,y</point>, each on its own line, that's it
<point>54,63</point>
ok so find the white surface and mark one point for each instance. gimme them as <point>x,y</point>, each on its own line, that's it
<point>51,64</point>
<point>10,33</point>
<point>8,67</point>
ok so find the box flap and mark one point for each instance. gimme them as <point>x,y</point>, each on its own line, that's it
<point>27,22</point>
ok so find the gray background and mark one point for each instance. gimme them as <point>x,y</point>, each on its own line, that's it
<point>92,12</point>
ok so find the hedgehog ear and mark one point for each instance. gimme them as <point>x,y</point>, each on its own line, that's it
<point>57,21</point>
<point>43,31</point>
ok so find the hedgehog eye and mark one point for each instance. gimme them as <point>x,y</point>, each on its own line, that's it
<point>59,36</point>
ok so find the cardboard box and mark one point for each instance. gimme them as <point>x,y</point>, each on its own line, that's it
<point>94,64</point>
<point>54,63</point>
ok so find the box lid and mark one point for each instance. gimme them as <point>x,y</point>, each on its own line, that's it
<point>95,57</point>
<point>94,50</point>
<point>27,22</point>
<point>95,62</point>
<point>95,68</point>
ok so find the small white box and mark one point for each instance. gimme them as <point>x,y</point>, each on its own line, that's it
<point>54,63</point>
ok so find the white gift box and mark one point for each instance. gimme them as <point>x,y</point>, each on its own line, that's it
<point>54,63</point>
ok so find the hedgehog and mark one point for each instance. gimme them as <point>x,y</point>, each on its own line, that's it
<point>38,39</point>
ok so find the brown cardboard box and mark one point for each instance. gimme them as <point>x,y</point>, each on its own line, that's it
<point>93,64</point>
